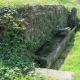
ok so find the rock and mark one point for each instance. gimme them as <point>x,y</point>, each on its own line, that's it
<point>56,74</point>
<point>63,31</point>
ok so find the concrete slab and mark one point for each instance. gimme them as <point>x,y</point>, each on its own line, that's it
<point>56,74</point>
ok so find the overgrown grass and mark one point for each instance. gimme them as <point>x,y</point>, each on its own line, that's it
<point>21,2</point>
<point>72,62</point>
<point>18,3</point>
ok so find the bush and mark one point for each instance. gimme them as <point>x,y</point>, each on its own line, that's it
<point>9,74</point>
<point>13,49</point>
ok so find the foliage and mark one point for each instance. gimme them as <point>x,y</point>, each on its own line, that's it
<point>13,49</point>
<point>9,74</point>
<point>37,27</point>
<point>15,74</point>
<point>21,2</point>
<point>14,52</point>
<point>22,36</point>
<point>39,77</point>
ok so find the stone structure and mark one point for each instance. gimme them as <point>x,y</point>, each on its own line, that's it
<point>56,74</point>
<point>56,50</point>
<point>73,16</point>
<point>37,22</point>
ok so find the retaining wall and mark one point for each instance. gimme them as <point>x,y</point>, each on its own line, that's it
<point>36,22</point>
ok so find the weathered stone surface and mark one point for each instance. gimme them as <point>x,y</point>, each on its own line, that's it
<point>63,31</point>
<point>55,53</point>
<point>58,64</point>
<point>37,23</point>
<point>60,75</point>
<point>65,53</point>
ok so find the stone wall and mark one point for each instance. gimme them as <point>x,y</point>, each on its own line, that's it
<point>37,23</point>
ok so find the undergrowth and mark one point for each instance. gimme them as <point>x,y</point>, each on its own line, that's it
<point>14,56</point>
<point>13,49</point>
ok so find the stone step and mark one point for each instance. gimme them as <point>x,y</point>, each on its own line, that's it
<point>56,74</point>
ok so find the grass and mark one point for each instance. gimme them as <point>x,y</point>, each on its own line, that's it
<point>72,62</point>
<point>18,3</point>
<point>42,2</point>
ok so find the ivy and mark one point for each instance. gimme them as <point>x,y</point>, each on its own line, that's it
<point>13,49</point>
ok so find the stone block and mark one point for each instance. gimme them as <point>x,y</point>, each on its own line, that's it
<point>56,74</point>
<point>53,55</point>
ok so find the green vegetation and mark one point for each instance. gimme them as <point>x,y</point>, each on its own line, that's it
<point>15,59</point>
<point>37,28</point>
<point>18,3</point>
<point>13,3</point>
<point>14,56</point>
<point>13,49</point>
<point>15,74</point>
<point>72,62</point>
<point>21,2</point>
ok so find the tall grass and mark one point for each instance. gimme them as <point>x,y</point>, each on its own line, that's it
<point>20,2</point>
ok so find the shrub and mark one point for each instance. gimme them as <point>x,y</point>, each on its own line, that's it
<point>13,49</point>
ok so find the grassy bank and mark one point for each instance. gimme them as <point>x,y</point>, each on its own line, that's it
<point>72,62</point>
<point>42,2</point>
<point>18,3</point>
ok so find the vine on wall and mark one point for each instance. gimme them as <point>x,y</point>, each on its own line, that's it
<point>27,28</point>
